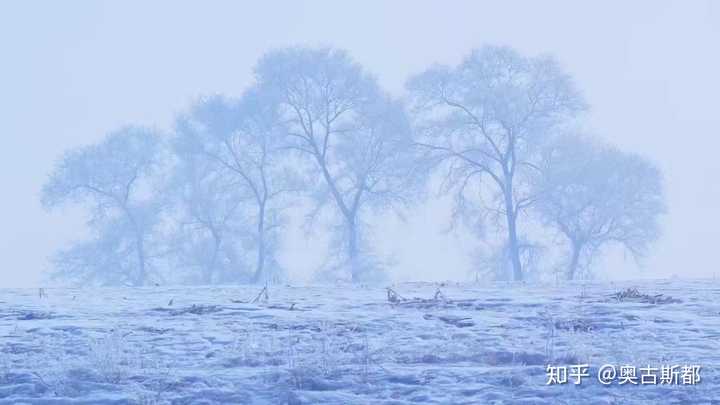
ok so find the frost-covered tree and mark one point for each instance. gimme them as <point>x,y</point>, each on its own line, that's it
<point>596,195</point>
<point>484,120</point>
<point>240,138</point>
<point>112,177</point>
<point>209,227</point>
<point>355,138</point>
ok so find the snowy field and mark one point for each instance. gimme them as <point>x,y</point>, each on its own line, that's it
<point>465,344</point>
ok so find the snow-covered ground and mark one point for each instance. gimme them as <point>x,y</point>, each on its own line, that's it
<point>346,344</point>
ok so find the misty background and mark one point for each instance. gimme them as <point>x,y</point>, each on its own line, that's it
<point>72,72</point>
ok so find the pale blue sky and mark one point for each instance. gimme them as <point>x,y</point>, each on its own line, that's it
<point>71,71</point>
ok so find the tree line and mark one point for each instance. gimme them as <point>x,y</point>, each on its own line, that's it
<point>208,202</point>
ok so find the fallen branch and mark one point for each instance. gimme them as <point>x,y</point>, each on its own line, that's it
<point>633,295</point>
<point>438,298</point>
<point>263,293</point>
<point>394,297</point>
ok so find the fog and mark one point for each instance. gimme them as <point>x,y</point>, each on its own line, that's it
<point>72,72</point>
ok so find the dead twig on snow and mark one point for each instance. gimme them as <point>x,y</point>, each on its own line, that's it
<point>263,293</point>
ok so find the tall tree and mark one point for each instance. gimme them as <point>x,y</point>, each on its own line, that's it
<point>209,225</point>
<point>113,178</point>
<point>241,139</point>
<point>354,136</point>
<point>485,119</point>
<point>596,195</point>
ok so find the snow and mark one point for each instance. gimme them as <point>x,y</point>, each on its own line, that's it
<point>345,344</point>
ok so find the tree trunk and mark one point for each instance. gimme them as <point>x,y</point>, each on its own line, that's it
<point>350,215</point>
<point>140,247</point>
<point>260,263</point>
<point>513,244</point>
<point>210,269</point>
<point>352,251</point>
<point>576,247</point>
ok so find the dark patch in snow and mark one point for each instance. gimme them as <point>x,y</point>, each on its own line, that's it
<point>34,315</point>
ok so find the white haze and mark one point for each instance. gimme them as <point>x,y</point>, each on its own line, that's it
<point>72,71</point>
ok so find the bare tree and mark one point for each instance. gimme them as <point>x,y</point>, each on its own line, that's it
<point>241,139</point>
<point>485,119</point>
<point>596,195</point>
<point>113,178</point>
<point>354,136</point>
